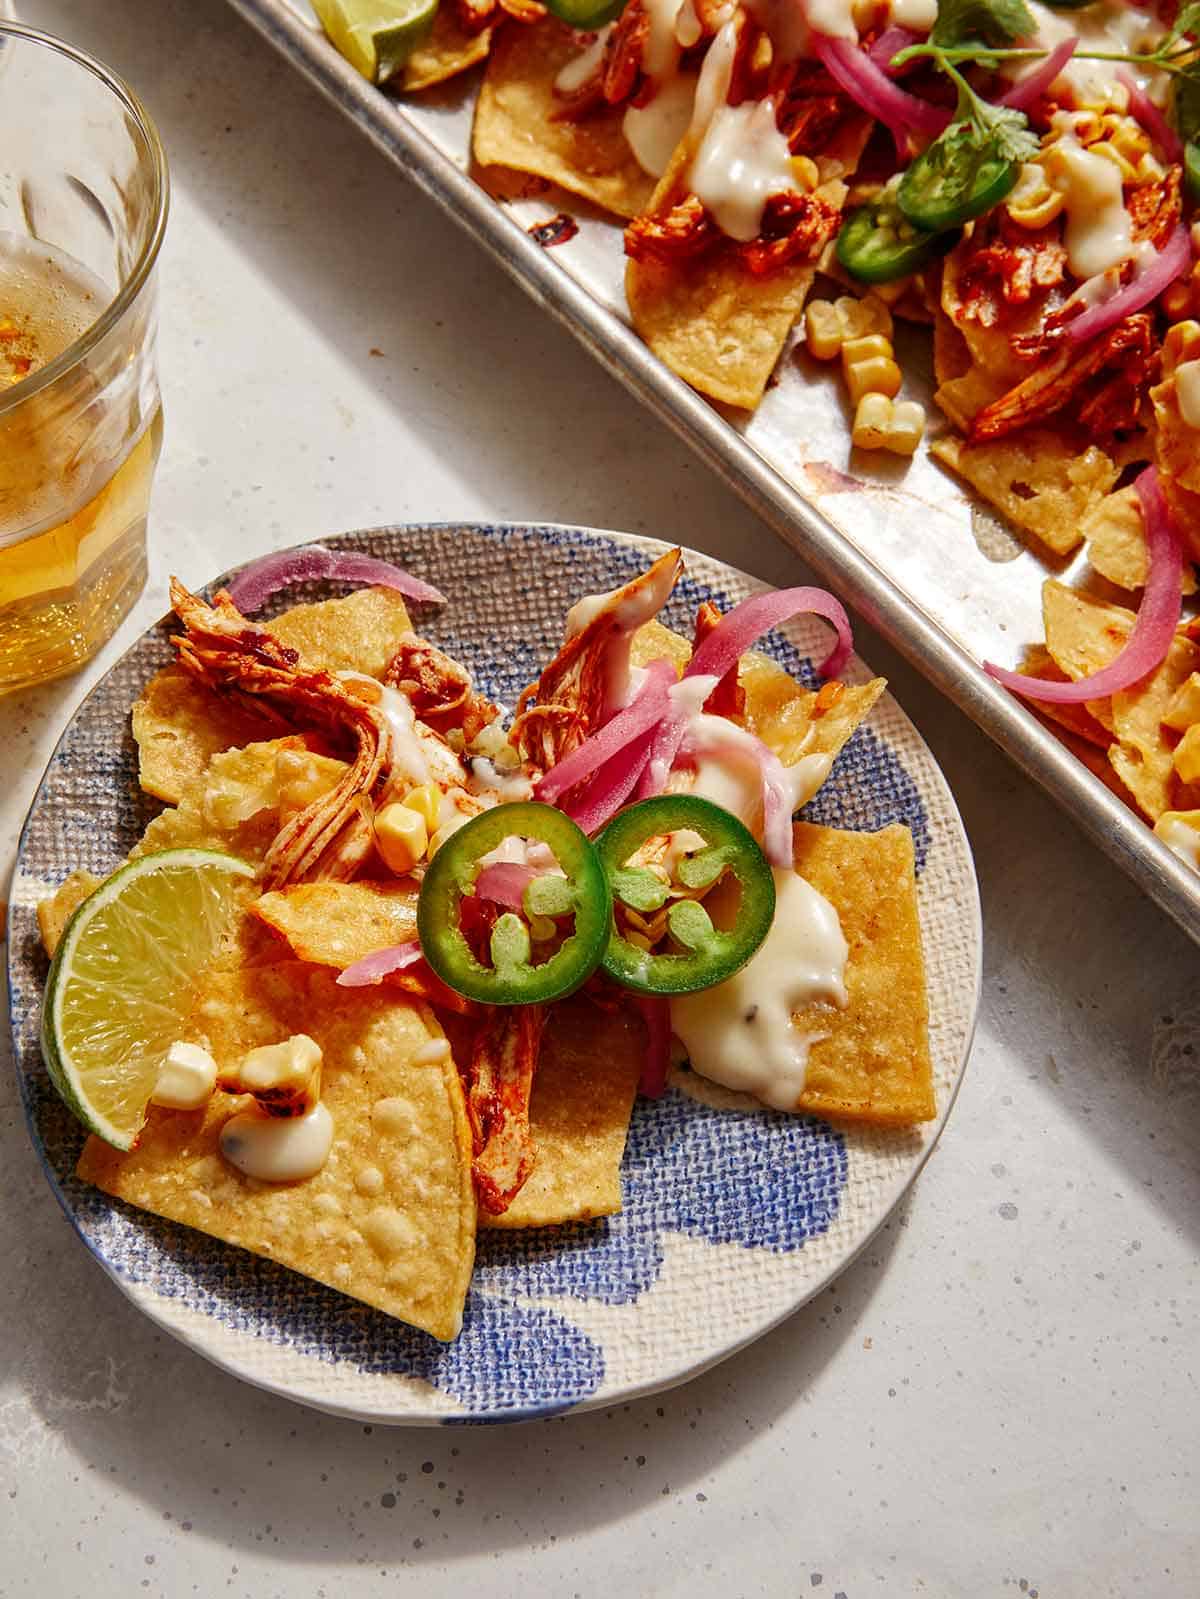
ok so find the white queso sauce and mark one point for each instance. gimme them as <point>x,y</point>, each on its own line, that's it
<point>741,1032</point>
<point>278,1149</point>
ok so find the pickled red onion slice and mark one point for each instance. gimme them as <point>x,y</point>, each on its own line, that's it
<point>740,629</point>
<point>504,883</point>
<point>656,1013</point>
<point>643,711</point>
<point>1154,628</point>
<point>380,963</point>
<point>611,786</point>
<point>256,583</point>
<point>1144,287</point>
<point>1151,118</point>
<point>869,86</point>
<point>890,43</point>
<point>1029,88</point>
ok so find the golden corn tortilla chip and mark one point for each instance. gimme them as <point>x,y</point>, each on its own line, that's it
<point>358,633</point>
<point>336,924</point>
<point>1076,719</point>
<point>448,50</point>
<point>710,320</point>
<point>1036,479</point>
<point>390,1217</point>
<point>54,913</point>
<point>1116,541</point>
<point>516,127</point>
<point>234,806</point>
<point>793,721</point>
<point>873,1063</point>
<point>654,642</point>
<point>179,725</point>
<point>1084,635</point>
<point>583,1094</point>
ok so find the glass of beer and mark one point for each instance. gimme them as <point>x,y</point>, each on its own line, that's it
<point>83,207</point>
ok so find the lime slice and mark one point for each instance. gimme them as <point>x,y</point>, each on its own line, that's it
<point>123,978</point>
<point>376,36</point>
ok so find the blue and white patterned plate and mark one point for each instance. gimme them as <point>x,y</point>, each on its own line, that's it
<point>733,1216</point>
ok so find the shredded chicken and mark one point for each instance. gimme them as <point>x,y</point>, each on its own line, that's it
<point>499,1083</point>
<point>440,690</point>
<point>1104,381</point>
<point>476,15</point>
<point>331,836</point>
<point>1000,267</point>
<point>794,227</point>
<point>566,704</point>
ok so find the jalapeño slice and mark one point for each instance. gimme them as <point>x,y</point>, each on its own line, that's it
<point>877,243</point>
<point>587,15</point>
<point>1191,168</point>
<point>954,180</point>
<point>513,977</point>
<point>707,954</point>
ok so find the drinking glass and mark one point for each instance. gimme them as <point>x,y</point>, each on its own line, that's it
<point>83,208</point>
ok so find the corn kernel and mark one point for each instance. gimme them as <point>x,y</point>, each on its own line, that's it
<point>872,418</point>
<point>804,170</point>
<point>823,329</point>
<point>1177,300</point>
<point>401,837</point>
<point>1180,831</point>
<point>874,374</point>
<point>285,1078</point>
<point>1186,759</point>
<point>427,802</point>
<point>1184,710</point>
<point>1150,169</point>
<point>443,833</point>
<point>1109,152</point>
<point>880,424</point>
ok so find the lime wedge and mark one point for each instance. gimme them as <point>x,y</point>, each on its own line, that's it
<point>376,36</point>
<point>123,978</point>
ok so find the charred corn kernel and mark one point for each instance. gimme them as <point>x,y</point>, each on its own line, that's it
<point>1186,759</point>
<point>285,1078</point>
<point>869,368</point>
<point>1109,152</point>
<point>1128,137</point>
<point>1181,344</point>
<point>401,837</point>
<point>804,170</point>
<point>1184,710</point>
<point>823,329</point>
<point>427,802</point>
<point>1180,830</point>
<point>1084,125</point>
<point>882,424</point>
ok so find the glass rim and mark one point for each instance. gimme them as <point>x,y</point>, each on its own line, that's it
<point>128,292</point>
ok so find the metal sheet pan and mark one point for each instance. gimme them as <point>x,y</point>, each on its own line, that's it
<point>939,577</point>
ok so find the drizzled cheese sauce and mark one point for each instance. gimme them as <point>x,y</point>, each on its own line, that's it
<point>918,16</point>
<point>580,68</point>
<point>742,161</point>
<point>278,1149</point>
<point>1099,230</point>
<point>741,1032</point>
<point>655,129</point>
<point>1121,29</point>
<point>832,17</point>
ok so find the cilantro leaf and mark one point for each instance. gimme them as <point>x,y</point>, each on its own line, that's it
<point>1186,23</point>
<point>1010,133</point>
<point>994,22</point>
<point>1185,102</point>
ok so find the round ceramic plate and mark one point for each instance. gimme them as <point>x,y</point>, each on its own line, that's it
<point>732,1218</point>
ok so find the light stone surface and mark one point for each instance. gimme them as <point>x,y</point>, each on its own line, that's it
<point>998,1397</point>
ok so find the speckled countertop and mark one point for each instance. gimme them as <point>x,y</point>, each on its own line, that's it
<point>998,1398</point>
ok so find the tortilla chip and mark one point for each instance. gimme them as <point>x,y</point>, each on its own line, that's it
<point>390,1218</point>
<point>1042,485</point>
<point>179,725</point>
<point>1076,719</point>
<point>790,720</point>
<point>358,633</point>
<point>1116,541</point>
<point>336,924</point>
<point>516,127</point>
<point>654,642</point>
<point>234,805</point>
<point>1084,635</point>
<point>54,913</point>
<point>583,1094</point>
<point>448,50</point>
<point>710,320</point>
<point>873,1062</point>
